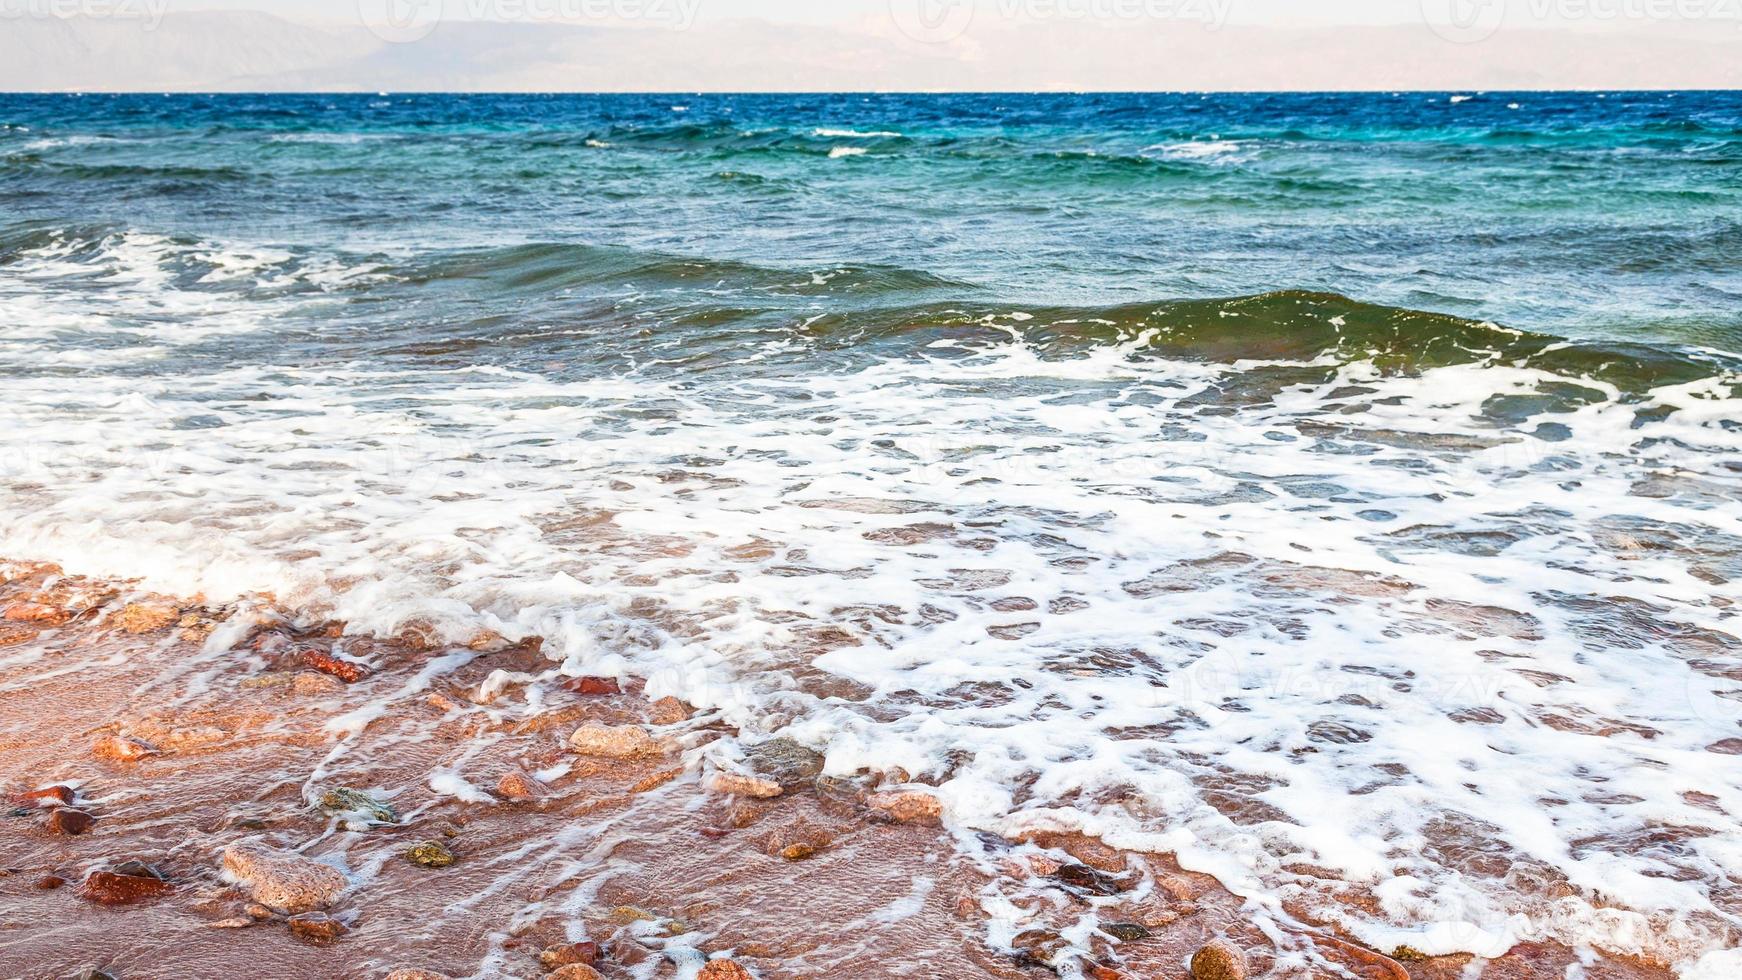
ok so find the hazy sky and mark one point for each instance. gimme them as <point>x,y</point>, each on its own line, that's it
<point>672,45</point>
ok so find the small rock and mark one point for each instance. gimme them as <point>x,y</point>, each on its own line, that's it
<point>1219,961</point>
<point>797,852</point>
<point>784,761</point>
<point>70,822</point>
<point>147,617</point>
<point>1156,917</point>
<point>95,974</point>
<point>574,971</point>
<point>48,796</point>
<point>118,749</point>
<point>282,880</point>
<point>1084,878</point>
<point>1037,947</point>
<point>908,805</point>
<point>36,612</point>
<point>313,683</point>
<point>1128,932</point>
<point>415,974</point>
<point>742,785</point>
<point>236,922</point>
<point>430,854</point>
<point>518,785</point>
<point>614,741</point>
<point>317,927</point>
<point>326,663</point>
<point>50,882</point>
<point>668,711</point>
<point>723,970</point>
<point>595,685</point>
<point>568,954</point>
<point>138,869</point>
<point>257,912</point>
<point>111,888</point>
<point>347,802</point>
<point>625,914</point>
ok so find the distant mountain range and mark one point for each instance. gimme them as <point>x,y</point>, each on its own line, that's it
<point>235,51</point>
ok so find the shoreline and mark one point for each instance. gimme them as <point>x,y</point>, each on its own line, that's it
<point>576,811</point>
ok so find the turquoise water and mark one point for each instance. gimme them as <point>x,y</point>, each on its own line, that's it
<point>1607,215</point>
<point>1345,482</point>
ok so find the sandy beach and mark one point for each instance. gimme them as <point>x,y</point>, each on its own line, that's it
<point>617,849</point>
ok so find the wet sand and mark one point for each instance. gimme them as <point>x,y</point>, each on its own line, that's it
<point>243,726</point>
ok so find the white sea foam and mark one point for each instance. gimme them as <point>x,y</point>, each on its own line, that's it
<point>1375,632</point>
<point>846,151</point>
<point>853,134</point>
<point>1203,150</point>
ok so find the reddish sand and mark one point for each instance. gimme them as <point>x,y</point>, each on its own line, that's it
<point>640,855</point>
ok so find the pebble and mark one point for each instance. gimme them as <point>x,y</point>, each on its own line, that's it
<point>518,785</point>
<point>147,617</point>
<point>574,971</point>
<point>908,805</point>
<point>326,663</point>
<point>36,612</point>
<point>50,882</point>
<point>614,741</point>
<point>595,685</point>
<point>784,762</point>
<point>111,888</point>
<point>317,927</point>
<point>568,954</point>
<point>70,822</point>
<point>118,749</point>
<point>723,970</point>
<point>282,880</point>
<point>349,801</point>
<point>1128,932</point>
<point>742,785</point>
<point>49,794</point>
<point>1219,961</point>
<point>430,854</point>
<point>414,974</point>
<point>798,852</point>
<point>312,683</point>
<point>1087,879</point>
<point>668,711</point>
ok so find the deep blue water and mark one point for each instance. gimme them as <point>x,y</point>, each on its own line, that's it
<point>1609,215</point>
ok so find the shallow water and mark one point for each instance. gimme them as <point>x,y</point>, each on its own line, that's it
<point>938,458</point>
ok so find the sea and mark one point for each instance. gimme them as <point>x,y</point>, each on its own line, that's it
<point>1342,492</point>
